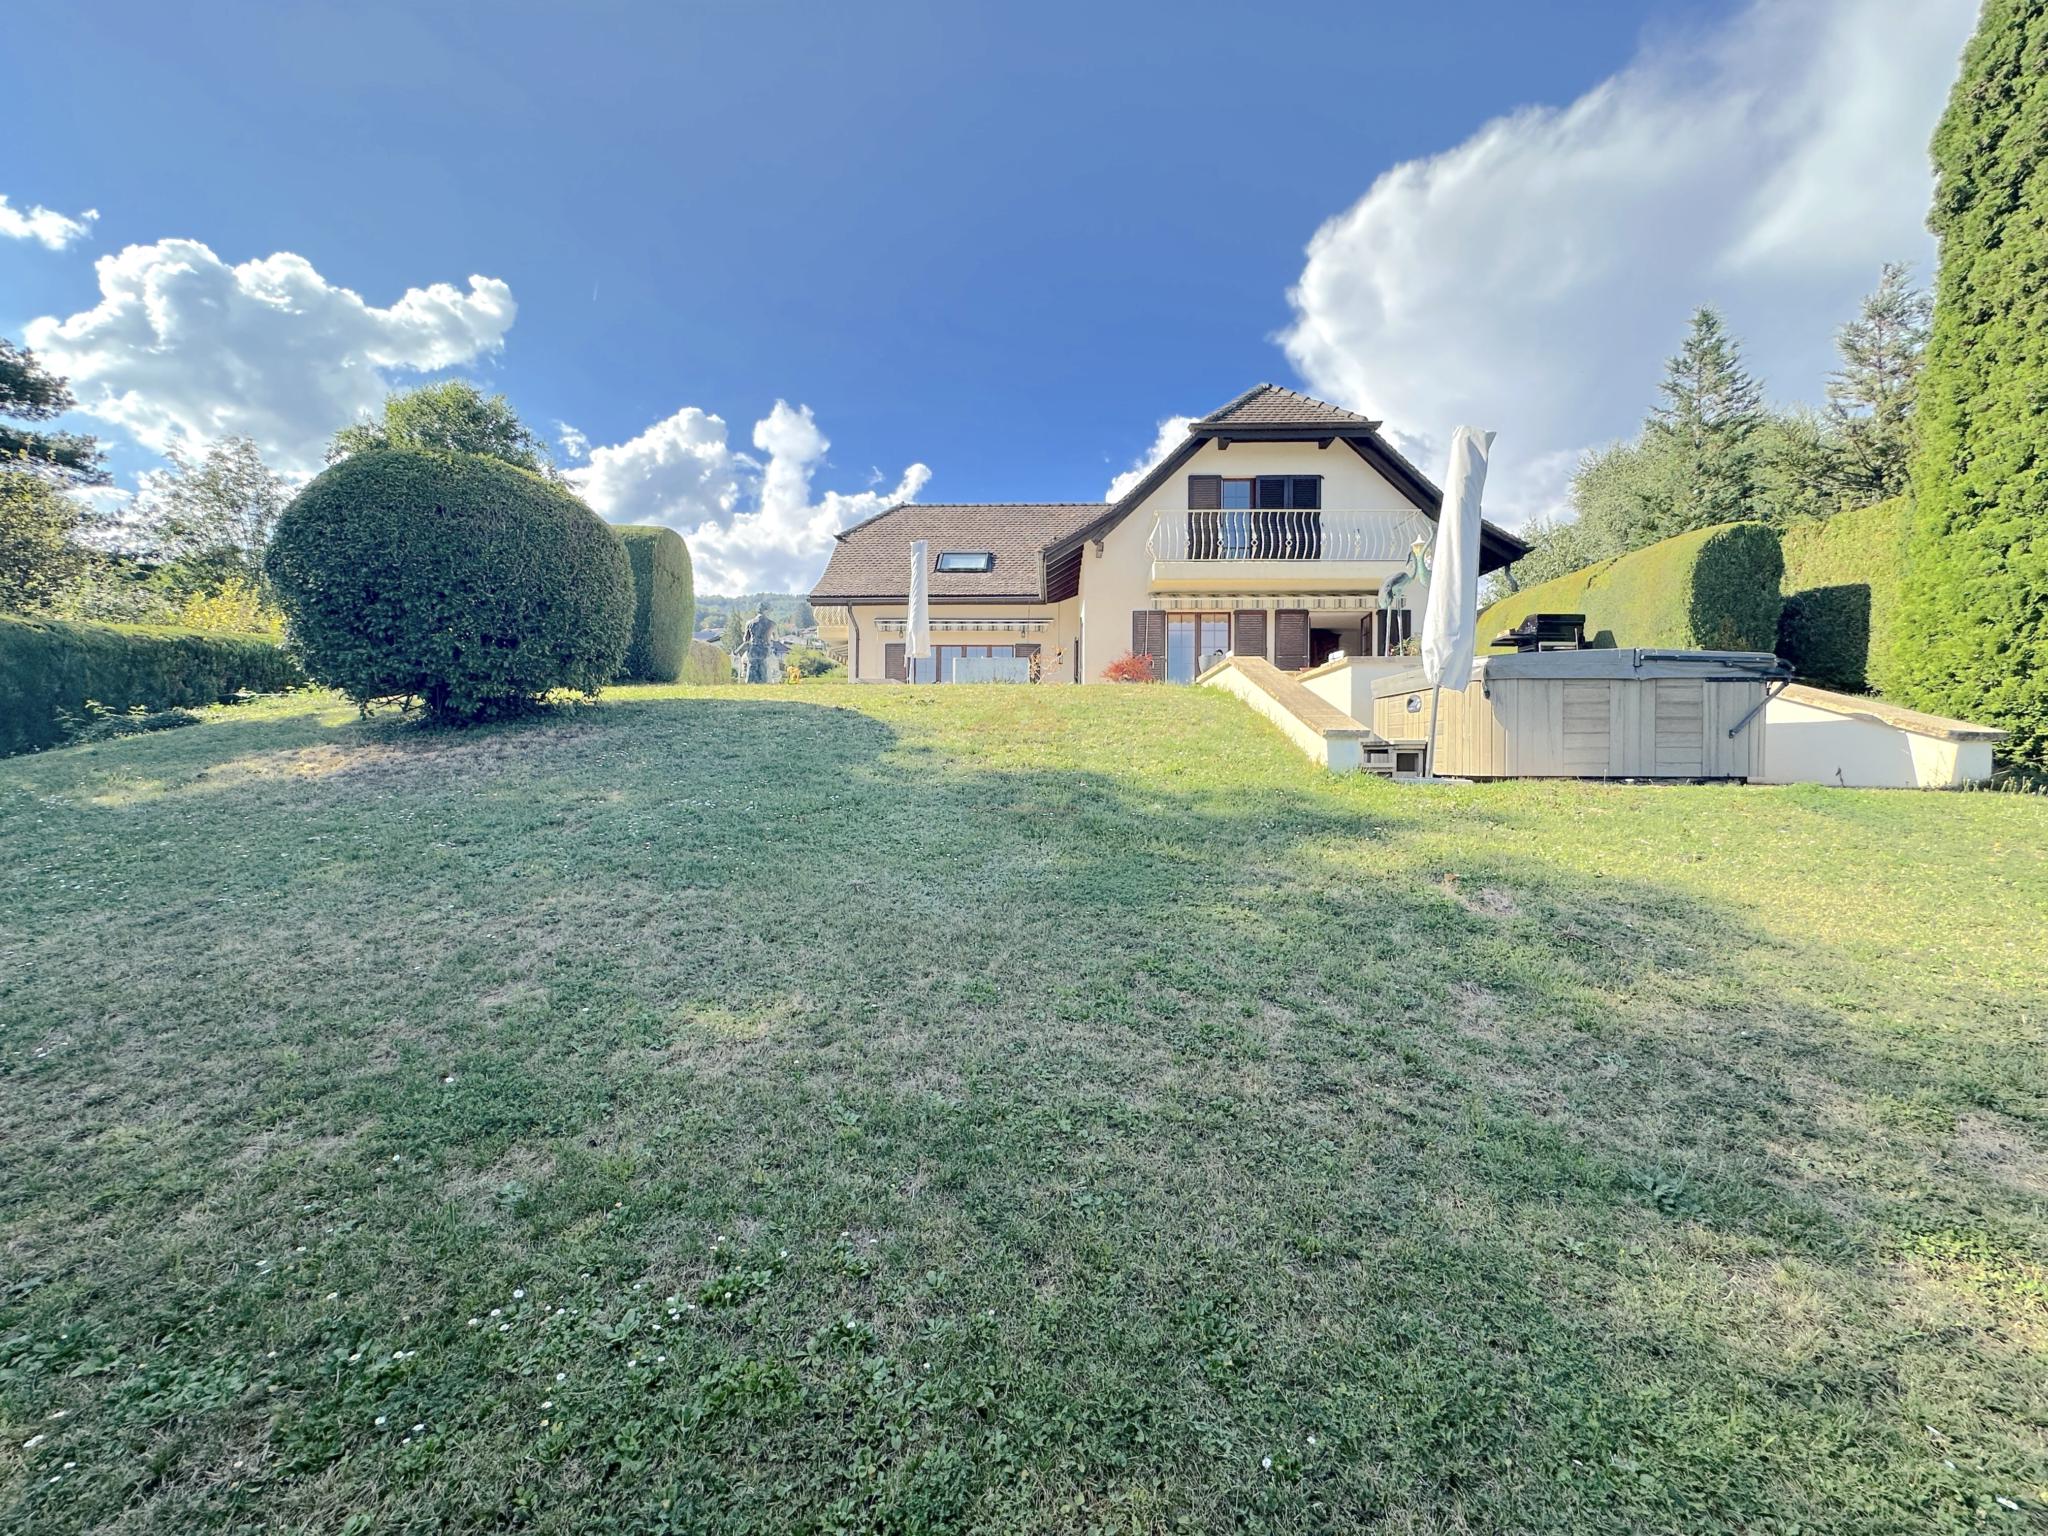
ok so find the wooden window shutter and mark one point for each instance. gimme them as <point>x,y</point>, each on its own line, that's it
<point>1290,639</point>
<point>1248,632</point>
<point>1028,652</point>
<point>1205,493</point>
<point>1148,638</point>
<point>893,666</point>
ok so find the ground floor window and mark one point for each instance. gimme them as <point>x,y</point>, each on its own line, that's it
<point>1193,642</point>
<point>938,667</point>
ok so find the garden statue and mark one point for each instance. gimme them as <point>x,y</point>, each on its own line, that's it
<point>1393,591</point>
<point>752,661</point>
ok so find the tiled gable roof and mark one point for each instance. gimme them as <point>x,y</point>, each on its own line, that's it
<point>872,559</point>
<point>1268,405</point>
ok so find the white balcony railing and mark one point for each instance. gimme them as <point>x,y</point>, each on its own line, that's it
<point>1270,533</point>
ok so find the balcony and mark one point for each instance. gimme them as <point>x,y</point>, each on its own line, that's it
<point>1270,547</point>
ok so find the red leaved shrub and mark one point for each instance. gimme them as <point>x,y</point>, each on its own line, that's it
<point>1131,667</point>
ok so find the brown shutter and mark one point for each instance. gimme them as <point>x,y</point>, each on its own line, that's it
<point>1248,632</point>
<point>1290,639</point>
<point>1030,654</point>
<point>1205,492</point>
<point>1148,638</point>
<point>893,667</point>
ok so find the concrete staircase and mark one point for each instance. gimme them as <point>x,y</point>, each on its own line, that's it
<point>1318,727</point>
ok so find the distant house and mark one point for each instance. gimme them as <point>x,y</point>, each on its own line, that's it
<point>1269,531</point>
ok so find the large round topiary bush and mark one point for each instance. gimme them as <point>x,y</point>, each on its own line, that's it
<point>469,584</point>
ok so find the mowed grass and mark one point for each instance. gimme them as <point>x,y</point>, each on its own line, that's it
<point>1003,1109</point>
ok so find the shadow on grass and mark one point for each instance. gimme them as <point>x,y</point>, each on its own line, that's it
<point>1060,1147</point>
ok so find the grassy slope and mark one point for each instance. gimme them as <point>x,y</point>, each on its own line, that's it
<point>1116,1108</point>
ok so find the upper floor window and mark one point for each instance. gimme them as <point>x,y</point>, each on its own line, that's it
<point>1216,493</point>
<point>967,560</point>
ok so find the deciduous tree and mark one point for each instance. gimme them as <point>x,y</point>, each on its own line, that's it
<point>451,417</point>
<point>38,558</point>
<point>31,393</point>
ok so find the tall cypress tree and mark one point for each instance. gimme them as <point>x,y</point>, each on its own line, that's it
<point>1972,634</point>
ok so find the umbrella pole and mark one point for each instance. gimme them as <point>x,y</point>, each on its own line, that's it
<point>1436,699</point>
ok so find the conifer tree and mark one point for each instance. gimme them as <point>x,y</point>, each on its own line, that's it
<point>1870,397</point>
<point>1703,431</point>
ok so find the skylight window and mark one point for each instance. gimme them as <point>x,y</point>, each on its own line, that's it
<point>967,560</point>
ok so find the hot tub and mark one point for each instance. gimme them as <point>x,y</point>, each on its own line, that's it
<point>1599,714</point>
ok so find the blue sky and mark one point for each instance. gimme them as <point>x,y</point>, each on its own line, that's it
<point>1002,243</point>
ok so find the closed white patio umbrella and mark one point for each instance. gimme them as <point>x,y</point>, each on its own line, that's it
<point>917,627</point>
<point>1451,621</point>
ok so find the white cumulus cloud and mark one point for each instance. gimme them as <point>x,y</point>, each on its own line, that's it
<point>1533,278</point>
<point>1171,432</point>
<point>752,525</point>
<point>183,348</point>
<point>45,226</point>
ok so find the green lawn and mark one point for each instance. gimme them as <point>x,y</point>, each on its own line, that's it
<point>1013,1109</point>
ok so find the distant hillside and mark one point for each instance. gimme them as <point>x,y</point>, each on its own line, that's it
<point>789,610</point>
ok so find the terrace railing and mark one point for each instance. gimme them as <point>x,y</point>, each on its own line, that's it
<point>1271,533</point>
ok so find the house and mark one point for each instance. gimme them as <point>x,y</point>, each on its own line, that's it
<point>1268,532</point>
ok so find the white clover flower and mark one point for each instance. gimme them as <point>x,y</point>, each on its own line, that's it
<point>497,1311</point>
<point>549,1403</point>
<point>1266,1462</point>
<point>417,1428</point>
<point>33,1441</point>
<point>476,1322</point>
<point>380,1421</point>
<point>519,1295</point>
<point>561,1375</point>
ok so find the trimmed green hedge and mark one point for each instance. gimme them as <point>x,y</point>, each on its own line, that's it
<point>50,668</point>
<point>458,580</point>
<point>1714,589</point>
<point>706,665</point>
<point>664,604</point>
<point>1842,580</point>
